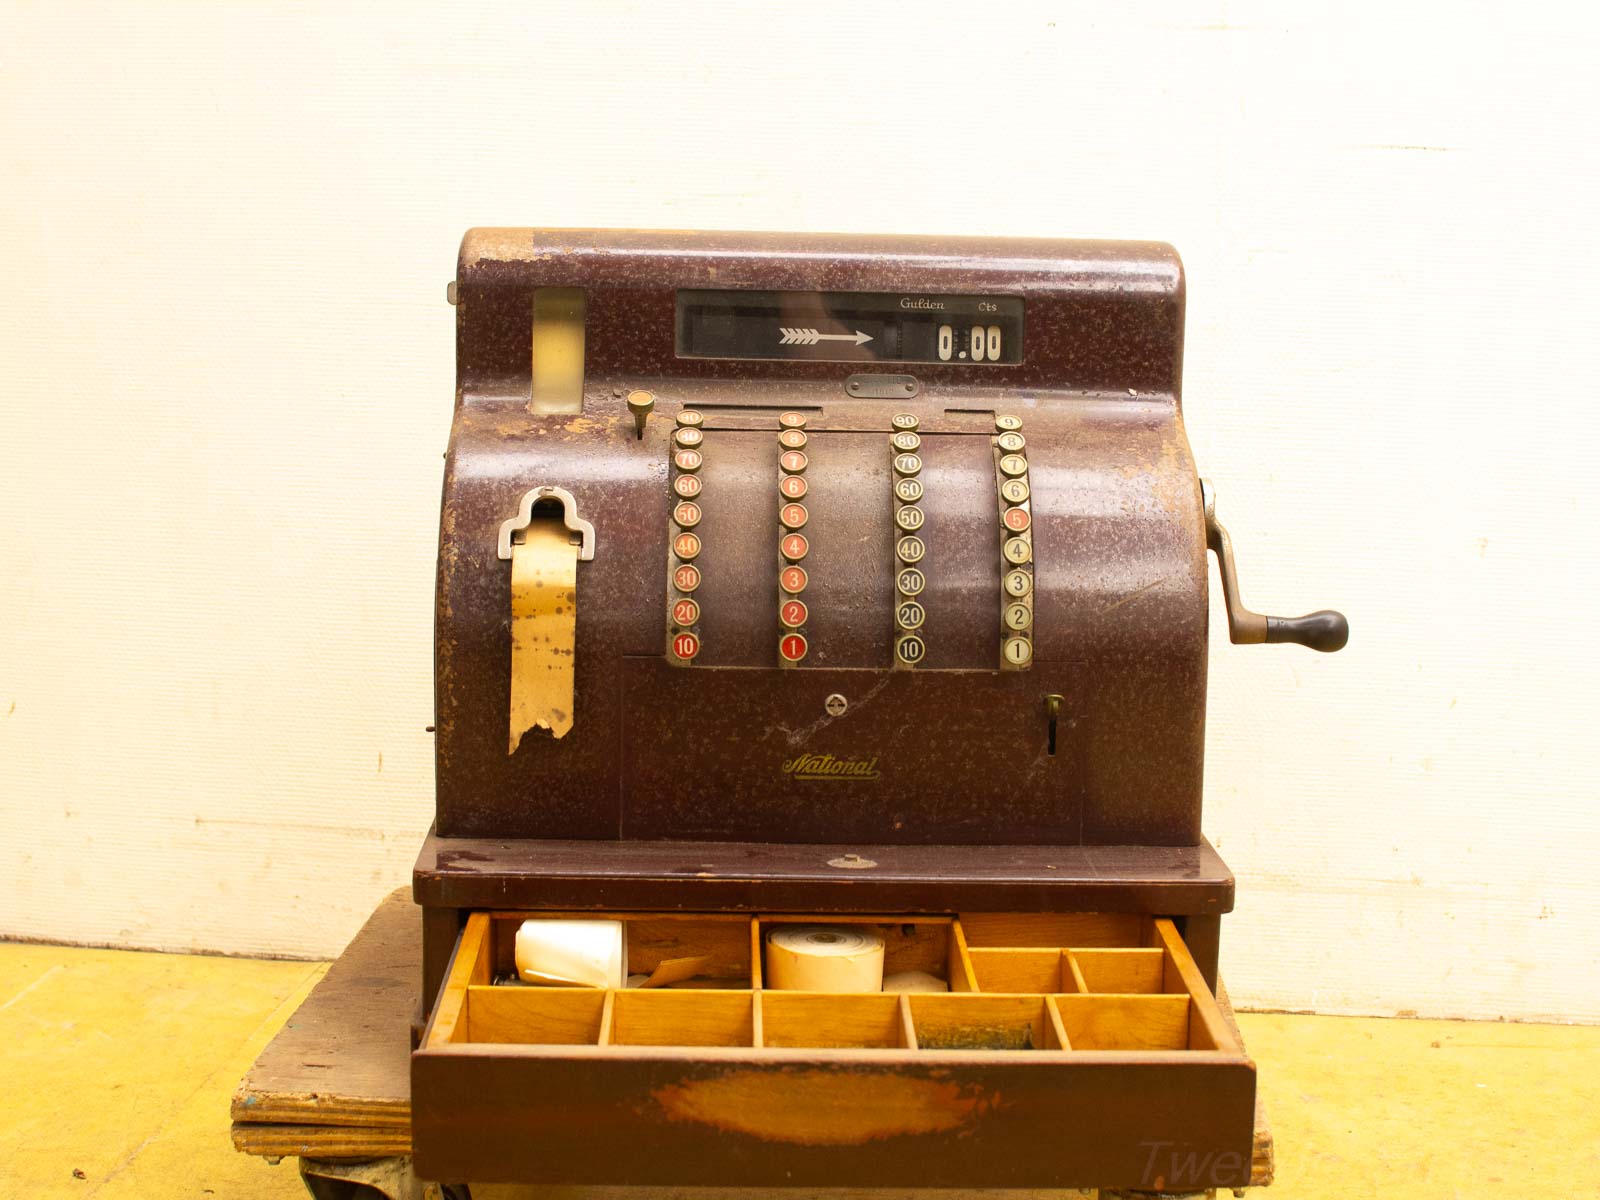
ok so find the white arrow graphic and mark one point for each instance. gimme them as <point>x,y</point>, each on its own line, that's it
<point>810,337</point>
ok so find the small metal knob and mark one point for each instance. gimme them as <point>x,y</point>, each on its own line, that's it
<point>641,404</point>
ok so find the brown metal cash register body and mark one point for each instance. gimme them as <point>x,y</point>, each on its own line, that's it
<point>981,729</point>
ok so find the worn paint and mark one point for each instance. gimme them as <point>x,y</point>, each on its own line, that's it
<point>826,1108</point>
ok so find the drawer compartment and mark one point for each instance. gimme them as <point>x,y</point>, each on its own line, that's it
<point>1070,1050</point>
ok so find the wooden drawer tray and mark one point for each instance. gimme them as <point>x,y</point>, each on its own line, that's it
<point>1072,1050</point>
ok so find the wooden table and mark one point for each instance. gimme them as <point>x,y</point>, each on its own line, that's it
<point>335,1084</point>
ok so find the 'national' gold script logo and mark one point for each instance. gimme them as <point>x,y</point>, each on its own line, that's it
<point>826,766</point>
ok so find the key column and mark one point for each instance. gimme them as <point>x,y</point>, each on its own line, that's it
<point>1016,544</point>
<point>794,541</point>
<point>909,550</point>
<point>683,540</point>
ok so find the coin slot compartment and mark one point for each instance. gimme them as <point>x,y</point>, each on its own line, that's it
<point>1053,930</point>
<point>1110,1022</point>
<point>1116,969</point>
<point>535,1016</point>
<point>821,1020</point>
<point>986,1022</point>
<point>1020,969</point>
<point>671,1017</point>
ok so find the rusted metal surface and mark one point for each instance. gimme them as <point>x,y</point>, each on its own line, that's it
<point>1120,592</point>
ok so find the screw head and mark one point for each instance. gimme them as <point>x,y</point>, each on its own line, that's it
<point>836,704</point>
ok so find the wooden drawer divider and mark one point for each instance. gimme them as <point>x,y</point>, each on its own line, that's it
<point>1037,995</point>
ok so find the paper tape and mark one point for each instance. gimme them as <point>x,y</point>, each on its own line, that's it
<point>825,958</point>
<point>572,953</point>
<point>544,614</point>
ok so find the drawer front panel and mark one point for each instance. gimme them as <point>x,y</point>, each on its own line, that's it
<point>880,1119</point>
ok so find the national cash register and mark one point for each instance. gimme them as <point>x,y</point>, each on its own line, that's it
<point>856,582</point>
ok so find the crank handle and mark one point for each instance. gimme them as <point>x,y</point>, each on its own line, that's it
<point>1326,630</point>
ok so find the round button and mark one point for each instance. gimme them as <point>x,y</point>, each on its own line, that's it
<point>905,441</point>
<point>793,439</point>
<point>908,490</point>
<point>1018,616</point>
<point>910,582</point>
<point>685,612</point>
<point>687,460</point>
<point>1017,651</point>
<point>685,645</point>
<point>792,461</point>
<point>907,464</point>
<point>686,513</point>
<point>910,650</point>
<point>909,518</point>
<point>1014,491</point>
<point>792,420</point>
<point>793,516</point>
<point>686,545</point>
<point>794,546</point>
<point>686,577</point>
<point>690,419</point>
<point>793,580</point>
<point>792,646</point>
<point>1016,519</point>
<point>1007,424</point>
<point>792,486</point>
<point>907,421</point>
<point>1017,583</point>
<point>688,436</point>
<point>910,550</point>
<point>792,613</point>
<point>1017,550</point>
<point>1011,443</point>
<point>909,615</point>
<point>687,486</point>
<point>1013,464</point>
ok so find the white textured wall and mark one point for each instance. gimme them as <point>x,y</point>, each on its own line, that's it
<point>226,374</point>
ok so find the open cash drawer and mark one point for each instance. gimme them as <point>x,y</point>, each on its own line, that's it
<point>1071,1050</point>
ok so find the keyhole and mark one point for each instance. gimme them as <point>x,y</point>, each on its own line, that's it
<point>1052,708</point>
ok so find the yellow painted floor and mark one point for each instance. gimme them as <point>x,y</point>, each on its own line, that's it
<point>116,1069</point>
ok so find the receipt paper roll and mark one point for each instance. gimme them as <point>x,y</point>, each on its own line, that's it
<point>544,613</point>
<point>825,958</point>
<point>572,953</point>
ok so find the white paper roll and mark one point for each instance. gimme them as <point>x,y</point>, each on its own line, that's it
<point>914,981</point>
<point>825,958</point>
<point>572,953</point>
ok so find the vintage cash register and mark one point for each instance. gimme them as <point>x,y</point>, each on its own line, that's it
<point>861,580</point>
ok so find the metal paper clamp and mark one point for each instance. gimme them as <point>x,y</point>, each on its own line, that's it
<point>569,517</point>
